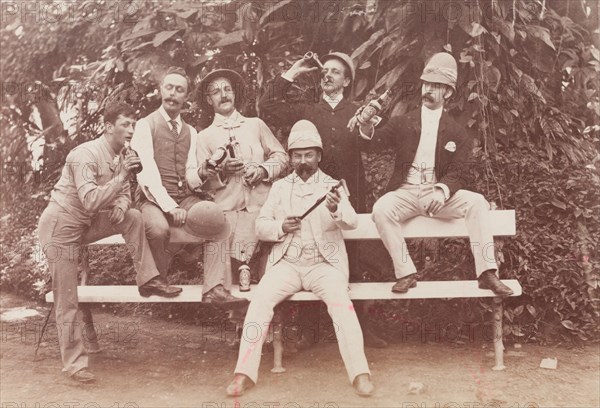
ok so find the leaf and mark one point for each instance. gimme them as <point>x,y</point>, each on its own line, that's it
<point>448,48</point>
<point>163,36</point>
<point>365,65</point>
<point>230,38</point>
<point>541,33</point>
<point>568,324</point>
<point>476,29</point>
<point>532,310</point>
<point>558,204</point>
<point>392,76</point>
<point>519,310</point>
<point>363,47</point>
<point>472,96</point>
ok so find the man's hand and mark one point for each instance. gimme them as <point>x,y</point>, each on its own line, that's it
<point>117,215</point>
<point>291,224</point>
<point>126,163</point>
<point>232,166</point>
<point>301,67</point>
<point>254,174</point>
<point>437,202</point>
<point>205,171</point>
<point>332,199</point>
<point>178,215</point>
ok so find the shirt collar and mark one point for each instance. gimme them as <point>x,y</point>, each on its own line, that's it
<point>221,120</point>
<point>107,145</point>
<point>431,114</point>
<point>168,119</point>
<point>333,102</point>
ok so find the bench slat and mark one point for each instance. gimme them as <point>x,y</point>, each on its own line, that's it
<point>502,224</point>
<point>362,290</point>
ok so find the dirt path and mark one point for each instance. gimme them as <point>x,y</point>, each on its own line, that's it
<point>150,362</point>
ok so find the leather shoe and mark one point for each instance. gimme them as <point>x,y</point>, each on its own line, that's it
<point>373,340</point>
<point>221,296</point>
<point>363,386</point>
<point>405,283</point>
<point>156,286</point>
<point>239,385</point>
<point>489,280</point>
<point>84,376</point>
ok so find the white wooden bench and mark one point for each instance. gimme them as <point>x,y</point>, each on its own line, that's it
<point>503,224</point>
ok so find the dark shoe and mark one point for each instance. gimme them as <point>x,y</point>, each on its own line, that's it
<point>372,340</point>
<point>363,386</point>
<point>84,376</point>
<point>221,296</point>
<point>239,385</point>
<point>489,280</point>
<point>156,286</point>
<point>404,284</point>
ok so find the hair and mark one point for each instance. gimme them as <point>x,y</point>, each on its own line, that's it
<point>113,110</point>
<point>177,71</point>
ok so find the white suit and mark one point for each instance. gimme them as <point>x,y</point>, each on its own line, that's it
<point>314,259</point>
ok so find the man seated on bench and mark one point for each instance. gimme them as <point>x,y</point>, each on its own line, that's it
<point>163,140</point>
<point>431,172</point>
<point>91,201</point>
<point>309,255</point>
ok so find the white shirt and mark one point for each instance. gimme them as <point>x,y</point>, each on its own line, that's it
<point>149,178</point>
<point>423,167</point>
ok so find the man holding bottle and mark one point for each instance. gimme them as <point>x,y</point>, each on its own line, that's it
<point>92,201</point>
<point>162,140</point>
<point>342,147</point>
<point>236,159</point>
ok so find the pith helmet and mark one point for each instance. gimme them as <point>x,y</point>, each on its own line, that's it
<point>303,135</point>
<point>441,69</point>
<point>206,220</point>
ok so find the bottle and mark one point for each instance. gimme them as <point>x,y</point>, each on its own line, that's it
<point>234,148</point>
<point>217,157</point>
<point>313,59</point>
<point>373,107</point>
<point>244,271</point>
<point>127,152</point>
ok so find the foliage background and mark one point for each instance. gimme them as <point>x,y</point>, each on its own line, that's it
<point>528,90</point>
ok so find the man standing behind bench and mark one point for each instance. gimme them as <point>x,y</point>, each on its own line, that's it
<point>91,201</point>
<point>310,255</point>
<point>162,139</point>
<point>431,172</point>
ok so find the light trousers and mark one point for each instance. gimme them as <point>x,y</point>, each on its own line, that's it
<point>408,201</point>
<point>283,280</point>
<point>63,239</point>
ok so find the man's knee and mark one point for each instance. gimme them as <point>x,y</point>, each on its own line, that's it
<point>477,202</point>
<point>157,228</point>
<point>383,209</point>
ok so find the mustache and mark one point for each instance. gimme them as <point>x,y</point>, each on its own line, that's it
<point>427,98</point>
<point>224,100</point>
<point>171,100</point>
<point>302,168</point>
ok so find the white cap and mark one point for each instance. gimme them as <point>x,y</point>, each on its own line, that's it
<point>304,134</point>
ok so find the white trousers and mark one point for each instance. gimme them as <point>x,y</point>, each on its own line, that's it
<point>283,280</point>
<point>408,201</point>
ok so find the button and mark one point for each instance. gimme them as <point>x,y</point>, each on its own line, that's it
<point>333,113</point>
<point>333,129</point>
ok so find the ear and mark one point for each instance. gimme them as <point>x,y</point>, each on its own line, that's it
<point>448,92</point>
<point>109,127</point>
<point>347,82</point>
<point>208,100</point>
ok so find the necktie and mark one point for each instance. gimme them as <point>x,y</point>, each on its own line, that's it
<point>174,128</point>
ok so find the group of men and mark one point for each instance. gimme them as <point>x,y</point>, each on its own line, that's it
<point>240,163</point>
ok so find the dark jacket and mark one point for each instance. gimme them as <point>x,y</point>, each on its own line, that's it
<point>402,133</point>
<point>341,148</point>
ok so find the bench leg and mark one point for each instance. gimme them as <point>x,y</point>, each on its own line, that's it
<point>497,325</point>
<point>277,344</point>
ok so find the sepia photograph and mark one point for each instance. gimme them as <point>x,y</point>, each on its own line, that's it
<point>300,203</point>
